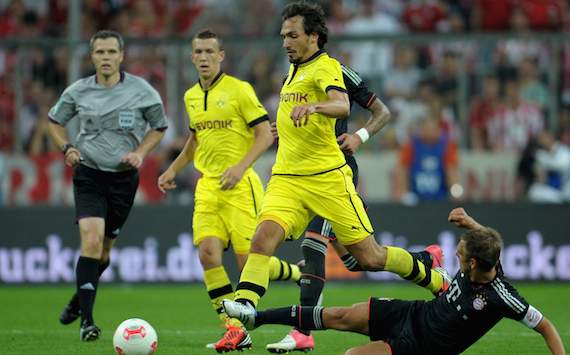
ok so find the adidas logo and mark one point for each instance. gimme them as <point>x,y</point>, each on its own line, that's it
<point>87,286</point>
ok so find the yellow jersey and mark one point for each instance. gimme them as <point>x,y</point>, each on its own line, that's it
<point>310,149</point>
<point>222,118</point>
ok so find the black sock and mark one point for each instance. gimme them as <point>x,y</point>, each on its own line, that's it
<point>311,317</point>
<point>313,274</point>
<point>74,302</point>
<point>87,277</point>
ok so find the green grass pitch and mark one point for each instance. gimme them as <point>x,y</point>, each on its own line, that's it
<point>185,321</point>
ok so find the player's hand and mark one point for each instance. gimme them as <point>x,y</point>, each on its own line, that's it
<point>460,218</point>
<point>72,157</point>
<point>273,128</point>
<point>166,181</point>
<point>349,143</point>
<point>300,114</point>
<point>231,177</point>
<point>134,159</point>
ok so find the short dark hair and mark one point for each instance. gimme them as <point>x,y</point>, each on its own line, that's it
<point>103,34</point>
<point>207,34</point>
<point>483,245</point>
<point>313,19</point>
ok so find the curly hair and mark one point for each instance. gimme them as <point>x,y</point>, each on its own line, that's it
<point>313,19</point>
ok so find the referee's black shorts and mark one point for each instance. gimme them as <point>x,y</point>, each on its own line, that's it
<point>109,195</point>
<point>391,321</point>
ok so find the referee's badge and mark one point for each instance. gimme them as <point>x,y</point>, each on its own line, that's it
<point>126,119</point>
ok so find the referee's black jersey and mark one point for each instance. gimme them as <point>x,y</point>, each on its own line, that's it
<point>357,92</point>
<point>452,322</point>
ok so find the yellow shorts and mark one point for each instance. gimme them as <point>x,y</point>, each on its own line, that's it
<point>227,215</point>
<point>293,201</point>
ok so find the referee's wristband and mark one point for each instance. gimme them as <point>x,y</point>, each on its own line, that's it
<point>363,134</point>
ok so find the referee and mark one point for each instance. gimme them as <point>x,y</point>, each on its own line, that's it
<point>113,109</point>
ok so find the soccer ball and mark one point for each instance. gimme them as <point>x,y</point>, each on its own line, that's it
<point>135,337</point>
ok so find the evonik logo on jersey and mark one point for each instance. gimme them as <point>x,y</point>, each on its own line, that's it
<point>294,97</point>
<point>214,124</point>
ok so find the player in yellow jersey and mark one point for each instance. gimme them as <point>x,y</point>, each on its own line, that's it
<point>310,175</point>
<point>229,131</point>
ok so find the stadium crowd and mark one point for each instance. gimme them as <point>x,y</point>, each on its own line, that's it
<point>488,96</point>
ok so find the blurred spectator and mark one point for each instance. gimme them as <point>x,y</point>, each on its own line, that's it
<point>544,14</point>
<point>511,52</point>
<point>423,15</point>
<point>185,13</point>
<point>7,113</point>
<point>337,16</point>
<point>404,76</point>
<point>483,108</point>
<point>532,88</point>
<point>370,59</point>
<point>552,166</point>
<point>515,122</point>
<point>491,15</point>
<point>446,79</point>
<point>428,166</point>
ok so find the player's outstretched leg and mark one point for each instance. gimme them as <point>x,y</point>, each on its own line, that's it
<point>432,257</point>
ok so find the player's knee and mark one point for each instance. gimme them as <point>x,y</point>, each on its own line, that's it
<point>209,257</point>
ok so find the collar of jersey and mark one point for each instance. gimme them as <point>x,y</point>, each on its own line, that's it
<point>215,82</point>
<point>311,58</point>
<point>121,77</point>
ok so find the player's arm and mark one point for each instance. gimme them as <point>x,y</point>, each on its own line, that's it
<point>337,106</point>
<point>551,336</point>
<point>262,141</point>
<point>460,218</point>
<point>380,116</point>
<point>166,180</point>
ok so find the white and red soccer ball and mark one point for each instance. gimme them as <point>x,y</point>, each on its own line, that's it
<point>135,337</point>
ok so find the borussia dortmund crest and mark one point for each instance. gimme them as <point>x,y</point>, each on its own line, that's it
<point>220,103</point>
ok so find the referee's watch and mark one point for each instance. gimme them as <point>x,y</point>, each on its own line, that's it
<point>65,147</point>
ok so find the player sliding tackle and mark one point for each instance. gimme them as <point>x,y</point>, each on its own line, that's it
<point>477,299</point>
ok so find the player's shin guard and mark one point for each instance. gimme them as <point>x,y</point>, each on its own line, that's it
<point>310,318</point>
<point>280,270</point>
<point>403,263</point>
<point>86,277</point>
<point>219,287</point>
<point>254,279</point>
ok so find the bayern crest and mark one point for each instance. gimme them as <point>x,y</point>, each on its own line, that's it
<point>478,303</point>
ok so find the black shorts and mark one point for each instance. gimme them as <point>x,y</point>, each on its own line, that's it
<point>104,194</point>
<point>391,321</point>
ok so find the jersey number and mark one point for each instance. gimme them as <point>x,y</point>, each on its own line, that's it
<point>454,292</point>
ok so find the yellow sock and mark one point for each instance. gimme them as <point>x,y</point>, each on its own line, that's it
<point>254,279</point>
<point>280,270</point>
<point>401,262</point>
<point>219,287</point>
